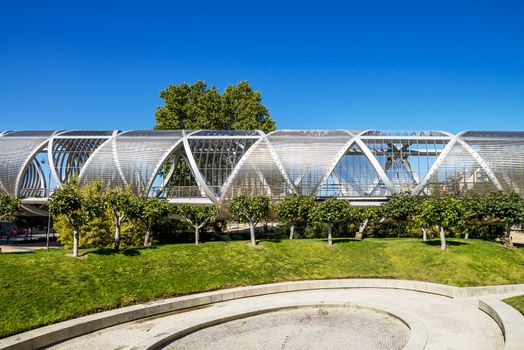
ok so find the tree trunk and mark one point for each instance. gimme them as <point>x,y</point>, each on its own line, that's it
<point>117,235</point>
<point>360,234</point>
<point>330,237</point>
<point>291,231</point>
<point>442,239</point>
<point>197,234</point>
<point>252,232</point>
<point>466,234</point>
<point>424,234</point>
<point>146,238</point>
<point>75,243</point>
<point>508,240</point>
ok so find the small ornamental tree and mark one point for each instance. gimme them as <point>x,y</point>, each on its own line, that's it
<point>419,218</point>
<point>474,211</point>
<point>10,206</point>
<point>295,209</point>
<point>77,206</point>
<point>401,208</point>
<point>362,216</point>
<point>197,216</point>
<point>148,211</point>
<point>330,212</point>
<point>250,210</point>
<point>509,209</point>
<point>122,206</point>
<point>444,212</point>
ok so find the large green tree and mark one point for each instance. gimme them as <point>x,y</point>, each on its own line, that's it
<point>196,106</point>
<point>330,212</point>
<point>294,209</point>
<point>197,216</point>
<point>250,210</point>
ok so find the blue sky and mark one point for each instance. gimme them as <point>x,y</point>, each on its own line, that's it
<point>449,65</point>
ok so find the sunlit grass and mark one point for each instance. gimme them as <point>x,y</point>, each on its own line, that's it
<point>44,287</point>
<point>517,303</point>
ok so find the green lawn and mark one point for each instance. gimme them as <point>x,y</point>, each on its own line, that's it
<point>44,287</point>
<point>517,303</point>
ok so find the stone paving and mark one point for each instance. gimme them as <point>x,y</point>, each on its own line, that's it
<point>312,328</point>
<point>450,323</point>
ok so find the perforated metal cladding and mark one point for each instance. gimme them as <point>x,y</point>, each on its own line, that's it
<point>353,176</point>
<point>504,155</point>
<point>15,153</point>
<point>127,160</point>
<point>70,155</point>
<point>307,155</point>
<point>217,158</point>
<point>33,182</point>
<point>459,173</point>
<point>405,160</point>
<point>224,164</point>
<point>257,175</point>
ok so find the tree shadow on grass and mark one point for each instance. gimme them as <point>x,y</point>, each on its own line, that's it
<point>342,240</point>
<point>131,251</point>
<point>448,243</point>
<point>272,240</point>
<point>18,252</point>
<point>518,245</point>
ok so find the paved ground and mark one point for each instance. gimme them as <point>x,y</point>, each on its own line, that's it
<point>312,328</point>
<point>450,323</point>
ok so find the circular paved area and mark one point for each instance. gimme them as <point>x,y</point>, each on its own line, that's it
<point>449,323</point>
<point>310,328</point>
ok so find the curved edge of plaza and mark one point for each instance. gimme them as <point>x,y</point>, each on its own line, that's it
<point>434,313</point>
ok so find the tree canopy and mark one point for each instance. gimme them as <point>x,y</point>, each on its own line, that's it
<point>196,106</point>
<point>148,211</point>
<point>122,206</point>
<point>77,206</point>
<point>294,209</point>
<point>250,210</point>
<point>442,211</point>
<point>197,216</point>
<point>329,212</point>
<point>9,206</point>
<point>508,208</point>
<point>400,207</point>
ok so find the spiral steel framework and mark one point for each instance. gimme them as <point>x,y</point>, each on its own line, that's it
<point>214,166</point>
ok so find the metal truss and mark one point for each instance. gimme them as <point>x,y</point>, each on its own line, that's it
<point>214,166</point>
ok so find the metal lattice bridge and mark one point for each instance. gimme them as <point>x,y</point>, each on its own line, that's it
<point>212,166</point>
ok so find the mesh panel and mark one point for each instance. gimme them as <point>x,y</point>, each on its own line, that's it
<point>458,174</point>
<point>504,156</point>
<point>353,176</point>
<point>258,175</point>
<point>70,155</point>
<point>217,158</point>
<point>15,149</point>
<point>307,155</point>
<point>126,160</point>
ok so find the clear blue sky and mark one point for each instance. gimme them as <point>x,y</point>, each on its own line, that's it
<point>320,65</point>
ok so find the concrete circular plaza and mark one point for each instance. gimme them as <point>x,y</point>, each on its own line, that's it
<point>329,314</point>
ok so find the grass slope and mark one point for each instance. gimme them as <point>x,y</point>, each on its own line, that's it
<point>44,287</point>
<point>517,303</point>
